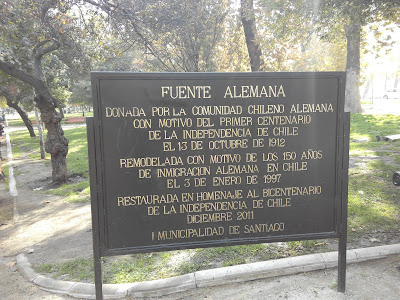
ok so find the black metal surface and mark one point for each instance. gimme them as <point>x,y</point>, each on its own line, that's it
<point>151,227</point>
<point>342,261</point>
<point>95,209</point>
<point>396,178</point>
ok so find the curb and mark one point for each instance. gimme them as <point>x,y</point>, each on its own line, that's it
<point>206,278</point>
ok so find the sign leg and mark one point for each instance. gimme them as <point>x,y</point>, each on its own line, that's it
<point>97,277</point>
<point>341,287</point>
<point>95,216</point>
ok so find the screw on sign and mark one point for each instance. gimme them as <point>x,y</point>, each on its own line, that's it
<point>396,178</point>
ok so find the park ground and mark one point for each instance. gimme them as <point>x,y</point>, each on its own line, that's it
<point>50,230</point>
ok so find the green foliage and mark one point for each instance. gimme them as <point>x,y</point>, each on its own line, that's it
<point>81,93</point>
<point>77,159</point>
<point>178,36</point>
<point>372,204</point>
<point>231,52</point>
<point>3,102</point>
<point>365,128</point>
<point>74,192</point>
<point>53,41</point>
<point>290,42</point>
<point>201,259</point>
<point>368,126</point>
<point>79,269</point>
<point>373,199</point>
<point>24,145</point>
<point>131,269</point>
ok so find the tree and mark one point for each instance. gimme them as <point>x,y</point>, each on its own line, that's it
<point>231,54</point>
<point>332,21</point>
<point>250,32</point>
<point>178,35</point>
<point>14,96</point>
<point>36,37</point>
<point>80,92</point>
<point>351,16</point>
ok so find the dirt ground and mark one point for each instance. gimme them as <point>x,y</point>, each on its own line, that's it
<point>43,224</point>
<point>14,287</point>
<point>52,229</point>
<point>375,280</point>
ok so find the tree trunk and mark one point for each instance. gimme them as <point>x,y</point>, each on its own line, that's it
<point>23,116</point>
<point>56,144</point>
<point>250,32</point>
<point>353,35</point>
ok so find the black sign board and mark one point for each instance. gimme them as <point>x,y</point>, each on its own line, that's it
<point>186,160</point>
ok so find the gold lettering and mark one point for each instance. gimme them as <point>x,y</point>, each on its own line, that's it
<point>124,112</point>
<point>190,233</point>
<point>292,191</point>
<point>250,91</point>
<point>186,92</point>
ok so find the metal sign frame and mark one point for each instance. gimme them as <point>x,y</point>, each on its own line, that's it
<point>99,181</point>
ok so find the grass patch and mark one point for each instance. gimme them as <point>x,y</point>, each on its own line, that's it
<point>305,247</point>
<point>77,190</point>
<point>369,126</point>
<point>15,122</point>
<point>79,269</point>
<point>5,168</point>
<point>365,128</point>
<point>19,122</point>
<point>77,159</point>
<point>374,202</point>
<point>24,145</point>
<point>74,192</point>
<point>140,267</point>
<point>133,268</point>
<point>234,255</point>
<point>150,266</point>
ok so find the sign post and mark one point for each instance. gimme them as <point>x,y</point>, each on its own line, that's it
<point>187,160</point>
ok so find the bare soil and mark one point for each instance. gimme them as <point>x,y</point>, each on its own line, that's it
<point>45,226</point>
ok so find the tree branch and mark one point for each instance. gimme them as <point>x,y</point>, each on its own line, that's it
<point>38,84</point>
<point>40,52</point>
<point>17,73</point>
<point>130,15</point>
<point>45,8</point>
<point>7,94</point>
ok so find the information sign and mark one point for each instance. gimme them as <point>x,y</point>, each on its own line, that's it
<point>186,160</point>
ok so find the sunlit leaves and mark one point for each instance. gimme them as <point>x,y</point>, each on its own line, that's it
<point>177,35</point>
